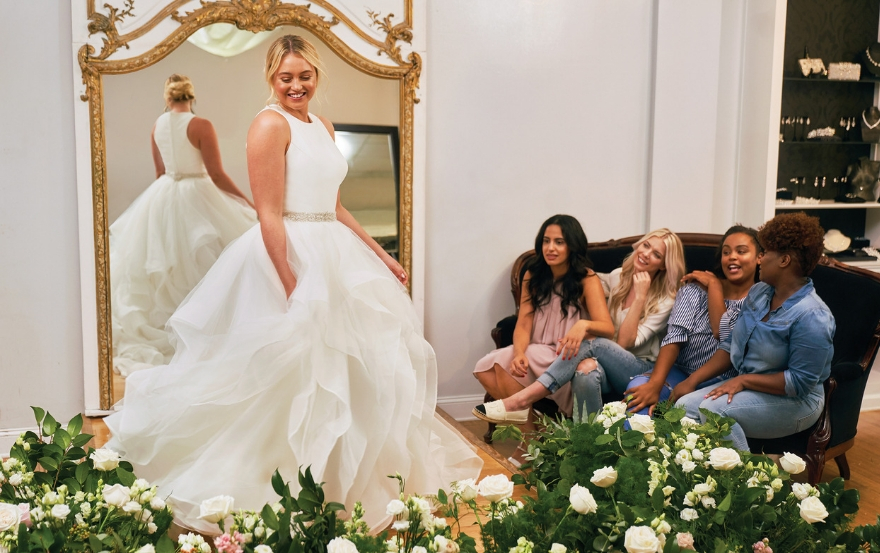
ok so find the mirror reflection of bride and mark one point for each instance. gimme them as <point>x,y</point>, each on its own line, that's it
<point>169,237</point>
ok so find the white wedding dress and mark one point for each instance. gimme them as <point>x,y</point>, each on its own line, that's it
<point>163,245</point>
<point>338,377</point>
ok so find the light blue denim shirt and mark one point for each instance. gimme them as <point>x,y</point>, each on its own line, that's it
<point>796,338</point>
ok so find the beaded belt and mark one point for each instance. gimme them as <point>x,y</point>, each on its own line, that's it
<point>181,176</point>
<point>315,217</point>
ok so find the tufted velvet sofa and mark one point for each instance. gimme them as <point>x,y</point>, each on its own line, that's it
<point>852,294</point>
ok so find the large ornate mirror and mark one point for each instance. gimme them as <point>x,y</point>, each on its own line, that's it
<point>128,48</point>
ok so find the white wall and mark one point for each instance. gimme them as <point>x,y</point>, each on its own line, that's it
<point>533,108</point>
<point>40,330</point>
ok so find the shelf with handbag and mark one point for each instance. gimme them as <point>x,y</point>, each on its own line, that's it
<point>841,35</point>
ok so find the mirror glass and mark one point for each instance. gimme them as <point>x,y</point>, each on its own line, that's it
<point>229,92</point>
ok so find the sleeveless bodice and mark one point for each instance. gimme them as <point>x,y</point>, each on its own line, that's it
<point>178,154</point>
<point>314,166</point>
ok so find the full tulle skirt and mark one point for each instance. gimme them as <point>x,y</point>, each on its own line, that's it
<point>160,248</point>
<point>338,378</point>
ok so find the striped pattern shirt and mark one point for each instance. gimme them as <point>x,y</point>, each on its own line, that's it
<point>690,328</point>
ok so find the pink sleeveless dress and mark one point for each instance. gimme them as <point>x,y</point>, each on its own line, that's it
<point>548,327</point>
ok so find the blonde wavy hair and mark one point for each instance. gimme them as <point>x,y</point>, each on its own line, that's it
<point>665,283</point>
<point>290,44</point>
<point>178,88</point>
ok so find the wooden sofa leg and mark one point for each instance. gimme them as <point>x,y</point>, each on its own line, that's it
<point>815,467</point>
<point>842,465</point>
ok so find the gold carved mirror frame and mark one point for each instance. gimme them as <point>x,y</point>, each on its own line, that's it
<point>249,15</point>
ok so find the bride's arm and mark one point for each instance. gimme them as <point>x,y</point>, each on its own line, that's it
<point>347,219</point>
<point>267,142</point>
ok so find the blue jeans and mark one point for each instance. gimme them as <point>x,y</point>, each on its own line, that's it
<point>673,379</point>
<point>757,414</point>
<point>616,367</point>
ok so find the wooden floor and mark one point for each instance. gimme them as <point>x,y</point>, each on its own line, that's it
<point>864,459</point>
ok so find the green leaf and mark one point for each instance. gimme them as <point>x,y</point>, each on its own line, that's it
<point>75,425</point>
<point>81,440</point>
<point>53,450</point>
<point>603,439</point>
<point>441,497</point>
<point>61,438</point>
<point>75,454</point>
<point>333,506</point>
<point>849,501</point>
<point>165,545</point>
<point>38,414</point>
<point>125,477</point>
<point>518,479</point>
<point>82,471</point>
<point>96,543</point>
<point>50,425</point>
<point>41,478</point>
<point>724,506</point>
<point>278,483</point>
<point>269,517</point>
<point>72,484</point>
<point>42,537</point>
<point>48,463</point>
<point>657,499</point>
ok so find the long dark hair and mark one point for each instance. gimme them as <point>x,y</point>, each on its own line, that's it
<point>737,229</point>
<point>542,282</point>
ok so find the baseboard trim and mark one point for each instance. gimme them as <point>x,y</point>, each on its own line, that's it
<point>871,402</point>
<point>460,408</point>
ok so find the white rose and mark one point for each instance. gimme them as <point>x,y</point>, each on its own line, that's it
<point>813,510</point>
<point>415,549</point>
<point>262,548</point>
<point>116,495</point>
<point>703,488</point>
<point>688,466</point>
<point>667,490</point>
<point>558,548</point>
<point>10,515</point>
<point>16,479</point>
<point>663,527</point>
<point>792,464</point>
<point>424,506</point>
<point>689,514</point>
<point>776,484</point>
<point>444,545</point>
<point>582,500</point>
<point>801,491</point>
<point>466,489</point>
<point>708,502</point>
<point>105,459</point>
<point>341,545</point>
<point>395,507</point>
<point>604,477</point>
<point>496,487</point>
<point>687,422</point>
<point>724,458</point>
<point>217,508</point>
<point>643,424</point>
<point>682,456</point>
<point>617,408</point>
<point>60,511</point>
<point>157,503</point>
<point>131,507</point>
<point>151,528</point>
<point>147,549</point>
<point>685,540</point>
<point>641,539</point>
<point>697,454</point>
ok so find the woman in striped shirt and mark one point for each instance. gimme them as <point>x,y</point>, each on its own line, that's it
<point>704,313</point>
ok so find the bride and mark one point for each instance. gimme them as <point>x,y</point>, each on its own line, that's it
<point>299,347</point>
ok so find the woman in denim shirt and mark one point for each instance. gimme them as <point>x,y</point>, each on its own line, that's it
<point>781,345</point>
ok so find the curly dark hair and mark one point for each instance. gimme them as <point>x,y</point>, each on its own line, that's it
<point>796,234</point>
<point>542,283</point>
<point>736,229</point>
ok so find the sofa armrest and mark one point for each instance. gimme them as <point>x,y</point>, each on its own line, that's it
<point>502,334</point>
<point>847,371</point>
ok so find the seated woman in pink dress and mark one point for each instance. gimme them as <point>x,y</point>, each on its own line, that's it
<point>562,303</point>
